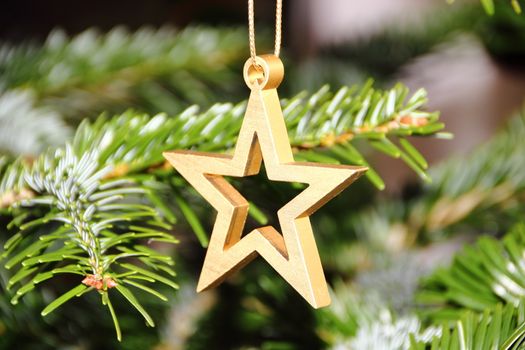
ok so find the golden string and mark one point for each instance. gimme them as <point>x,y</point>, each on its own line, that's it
<point>278,28</point>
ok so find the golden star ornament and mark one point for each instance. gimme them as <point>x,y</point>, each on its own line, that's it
<point>263,137</point>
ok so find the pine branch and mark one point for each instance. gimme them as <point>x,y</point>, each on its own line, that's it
<point>322,121</point>
<point>334,121</point>
<point>156,69</point>
<point>349,311</point>
<point>358,320</point>
<point>81,209</point>
<point>322,126</point>
<point>489,182</point>
<point>27,129</point>
<point>480,276</point>
<point>467,195</point>
<point>500,327</point>
<point>91,226</point>
<point>390,333</point>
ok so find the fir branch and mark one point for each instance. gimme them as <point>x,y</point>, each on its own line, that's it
<point>358,320</point>
<point>381,118</point>
<point>12,185</point>
<point>91,227</point>
<point>481,276</point>
<point>390,333</point>
<point>488,182</point>
<point>499,327</point>
<point>26,129</point>
<point>468,195</point>
<point>322,125</point>
<point>321,121</point>
<point>85,215</point>
<point>350,310</point>
<point>157,69</point>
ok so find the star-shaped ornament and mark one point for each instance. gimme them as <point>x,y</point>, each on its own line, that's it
<point>263,136</point>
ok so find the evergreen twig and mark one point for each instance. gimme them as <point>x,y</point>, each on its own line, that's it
<point>155,69</point>
<point>79,209</point>
<point>26,128</point>
<point>499,327</point>
<point>480,277</point>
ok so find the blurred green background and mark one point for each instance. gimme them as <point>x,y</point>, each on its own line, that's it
<point>63,62</point>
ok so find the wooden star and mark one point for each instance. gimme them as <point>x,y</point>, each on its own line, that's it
<point>263,136</point>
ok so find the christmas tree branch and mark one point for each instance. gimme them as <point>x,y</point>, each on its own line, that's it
<point>26,128</point>
<point>361,321</point>
<point>156,69</point>
<point>80,209</point>
<point>468,189</point>
<point>358,320</point>
<point>80,221</point>
<point>384,119</point>
<point>468,194</point>
<point>322,126</point>
<point>480,279</point>
<point>482,292</point>
<point>499,327</point>
<point>321,121</point>
<point>490,272</point>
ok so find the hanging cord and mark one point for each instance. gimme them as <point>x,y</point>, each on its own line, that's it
<point>278,29</point>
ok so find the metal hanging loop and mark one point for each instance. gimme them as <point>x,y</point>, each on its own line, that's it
<point>267,72</point>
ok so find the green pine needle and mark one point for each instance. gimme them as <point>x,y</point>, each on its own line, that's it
<point>77,291</point>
